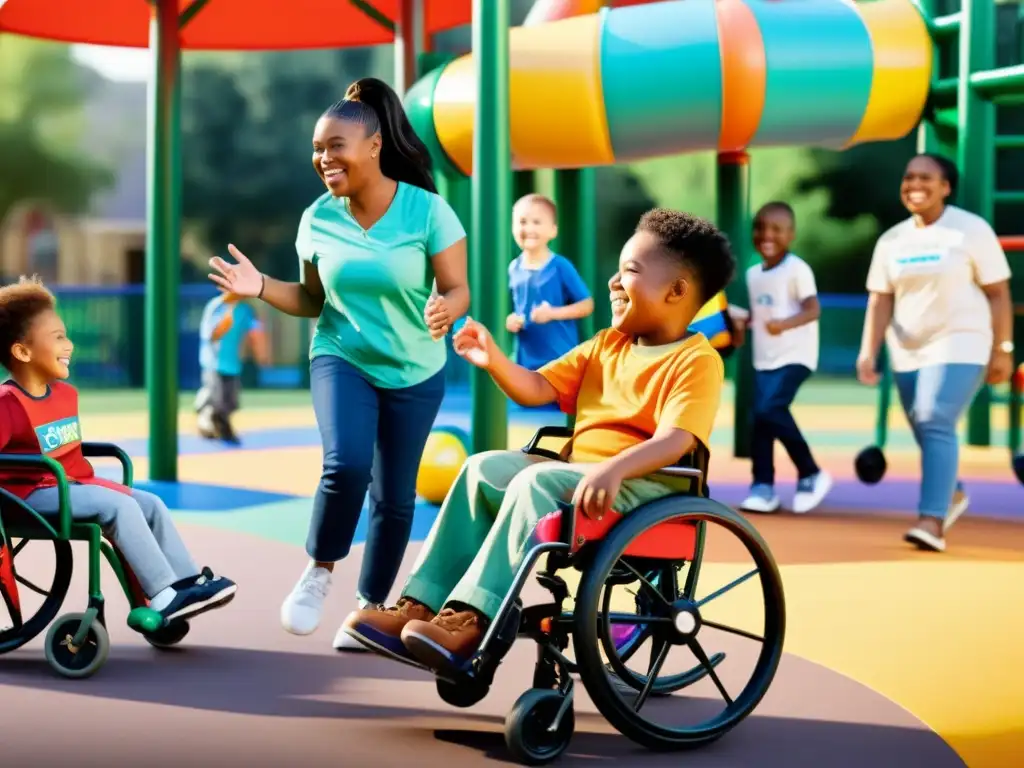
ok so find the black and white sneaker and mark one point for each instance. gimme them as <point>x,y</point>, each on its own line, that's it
<point>199,594</point>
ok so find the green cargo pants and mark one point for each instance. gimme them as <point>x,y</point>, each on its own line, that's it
<point>485,526</point>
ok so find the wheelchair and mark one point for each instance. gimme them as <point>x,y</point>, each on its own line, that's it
<point>646,549</point>
<point>77,644</point>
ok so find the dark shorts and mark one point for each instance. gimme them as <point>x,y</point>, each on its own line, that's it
<point>219,392</point>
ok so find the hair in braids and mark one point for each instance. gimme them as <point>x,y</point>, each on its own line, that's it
<point>373,104</point>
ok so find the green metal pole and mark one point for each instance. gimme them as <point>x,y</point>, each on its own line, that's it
<point>163,241</point>
<point>733,214</point>
<point>575,193</point>
<point>490,246</point>
<point>976,155</point>
<point>884,399</point>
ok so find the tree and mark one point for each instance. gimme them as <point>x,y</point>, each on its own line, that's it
<point>42,92</point>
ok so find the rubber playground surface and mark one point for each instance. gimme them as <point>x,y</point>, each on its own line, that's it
<point>893,657</point>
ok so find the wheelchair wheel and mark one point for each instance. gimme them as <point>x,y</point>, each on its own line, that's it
<point>527,727</point>
<point>674,617</point>
<point>53,593</point>
<point>73,661</point>
<point>169,636</point>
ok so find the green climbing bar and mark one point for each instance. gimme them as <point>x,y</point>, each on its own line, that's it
<point>490,240</point>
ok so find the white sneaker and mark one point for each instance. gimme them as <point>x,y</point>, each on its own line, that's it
<point>956,508</point>
<point>343,641</point>
<point>923,539</point>
<point>762,498</point>
<point>304,607</point>
<point>811,491</point>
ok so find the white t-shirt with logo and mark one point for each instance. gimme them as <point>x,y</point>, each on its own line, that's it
<point>777,294</point>
<point>935,273</point>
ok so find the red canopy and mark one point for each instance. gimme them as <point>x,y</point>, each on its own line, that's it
<point>238,25</point>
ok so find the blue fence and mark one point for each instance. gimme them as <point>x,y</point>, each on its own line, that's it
<point>107,327</point>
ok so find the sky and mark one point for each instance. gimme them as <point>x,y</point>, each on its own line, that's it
<point>115,63</point>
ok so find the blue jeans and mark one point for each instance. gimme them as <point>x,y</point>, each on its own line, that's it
<point>934,398</point>
<point>371,437</point>
<point>774,392</point>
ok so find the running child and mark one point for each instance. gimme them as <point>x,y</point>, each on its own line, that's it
<point>227,326</point>
<point>783,320</point>
<point>644,392</point>
<point>548,294</point>
<point>39,414</point>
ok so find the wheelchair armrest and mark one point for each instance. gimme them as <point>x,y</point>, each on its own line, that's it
<point>533,447</point>
<point>25,460</point>
<point>111,451</point>
<point>674,471</point>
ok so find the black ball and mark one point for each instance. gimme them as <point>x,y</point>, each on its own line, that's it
<point>870,465</point>
<point>1018,467</point>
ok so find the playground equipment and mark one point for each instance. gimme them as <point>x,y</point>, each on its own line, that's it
<point>651,79</point>
<point>645,553</point>
<point>77,644</point>
<point>443,456</point>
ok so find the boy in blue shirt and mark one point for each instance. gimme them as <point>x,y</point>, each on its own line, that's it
<point>227,325</point>
<point>548,294</point>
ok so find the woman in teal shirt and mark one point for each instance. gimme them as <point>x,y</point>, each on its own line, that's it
<point>383,266</point>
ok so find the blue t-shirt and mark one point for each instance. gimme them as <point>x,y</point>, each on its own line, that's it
<point>224,356</point>
<point>377,283</point>
<point>559,284</point>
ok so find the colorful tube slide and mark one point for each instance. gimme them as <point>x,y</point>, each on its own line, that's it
<point>659,78</point>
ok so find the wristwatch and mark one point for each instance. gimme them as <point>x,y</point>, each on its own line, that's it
<point>1005,346</point>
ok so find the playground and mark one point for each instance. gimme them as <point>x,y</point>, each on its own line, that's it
<point>892,656</point>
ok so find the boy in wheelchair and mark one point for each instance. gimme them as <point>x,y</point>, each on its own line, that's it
<point>644,393</point>
<point>39,415</point>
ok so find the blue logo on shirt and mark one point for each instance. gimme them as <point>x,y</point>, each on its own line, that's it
<point>924,258</point>
<point>764,300</point>
<point>57,434</point>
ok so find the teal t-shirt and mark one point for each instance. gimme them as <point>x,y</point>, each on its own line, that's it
<point>377,282</point>
<point>224,356</point>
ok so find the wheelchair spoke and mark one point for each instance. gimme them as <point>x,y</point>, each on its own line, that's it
<point>657,661</point>
<point>19,547</point>
<point>26,583</point>
<point>705,662</point>
<point>733,630</point>
<point>731,585</point>
<point>632,618</point>
<point>647,583</point>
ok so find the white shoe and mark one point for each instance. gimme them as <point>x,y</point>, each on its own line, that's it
<point>922,539</point>
<point>343,641</point>
<point>761,499</point>
<point>811,491</point>
<point>956,508</point>
<point>304,607</point>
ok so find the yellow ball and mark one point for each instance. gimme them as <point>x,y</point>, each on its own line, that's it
<point>443,457</point>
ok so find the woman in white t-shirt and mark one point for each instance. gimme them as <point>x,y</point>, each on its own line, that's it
<point>940,294</point>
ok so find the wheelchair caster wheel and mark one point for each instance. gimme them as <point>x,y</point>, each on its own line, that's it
<point>527,733</point>
<point>463,695</point>
<point>70,660</point>
<point>169,636</point>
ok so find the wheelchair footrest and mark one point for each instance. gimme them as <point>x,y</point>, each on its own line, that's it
<point>146,621</point>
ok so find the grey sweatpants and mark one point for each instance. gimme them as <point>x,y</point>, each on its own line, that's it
<point>139,525</point>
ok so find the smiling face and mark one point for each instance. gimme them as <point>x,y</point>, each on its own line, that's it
<point>924,188</point>
<point>773,234</point>
<point>344,156</point>
<point>650,294</point>
<point>533,225</point>
<point>46,349</point>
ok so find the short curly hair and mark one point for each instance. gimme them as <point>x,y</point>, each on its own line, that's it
<point>20,304</point>
<point>696,244</point>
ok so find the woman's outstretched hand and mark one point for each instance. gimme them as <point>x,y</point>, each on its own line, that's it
<point>241,279</point>
<point>474,343</point>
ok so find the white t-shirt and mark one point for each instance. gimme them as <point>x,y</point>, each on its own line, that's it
<point>777,294</point>
<point>940,313</point>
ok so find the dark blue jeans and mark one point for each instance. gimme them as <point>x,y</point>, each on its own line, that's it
<point>774,392</point>
<point>371,437</point>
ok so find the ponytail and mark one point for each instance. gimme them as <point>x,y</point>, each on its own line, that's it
<point>403,157</point>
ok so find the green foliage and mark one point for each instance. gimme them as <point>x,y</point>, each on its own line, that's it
<point>42,92</point>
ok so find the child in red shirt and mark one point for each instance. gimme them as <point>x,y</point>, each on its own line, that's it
<point>39,415</point>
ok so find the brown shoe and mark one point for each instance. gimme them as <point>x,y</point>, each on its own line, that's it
<point>450,640</point>
<point>380,628</point>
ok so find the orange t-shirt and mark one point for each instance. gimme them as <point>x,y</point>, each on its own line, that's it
<point>621,392</point>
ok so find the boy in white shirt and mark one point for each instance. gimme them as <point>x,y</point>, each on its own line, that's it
<point>784,312</point>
